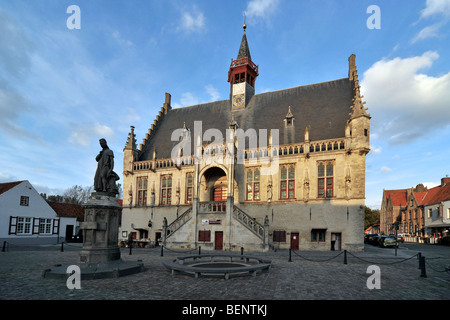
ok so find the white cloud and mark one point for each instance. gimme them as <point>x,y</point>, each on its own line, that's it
<point>375,150</point>
<point>261,9</point>
<point>433,9</point>
<point>398,94</point>
<point>428,32</point>
<point>84,134</point>
<point>436,7</point>
<point>213,93</point>
<point>187,99</point>
<point>430,185</point>
<point>192,21</point>
<point>385,169</point>
<point>121,40</point>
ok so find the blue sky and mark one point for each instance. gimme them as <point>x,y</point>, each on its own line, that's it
<point>63,89</point>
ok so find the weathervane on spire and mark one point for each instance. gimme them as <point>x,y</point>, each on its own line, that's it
<point>244,26</point>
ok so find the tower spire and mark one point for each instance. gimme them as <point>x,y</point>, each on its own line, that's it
<point>242,75</point>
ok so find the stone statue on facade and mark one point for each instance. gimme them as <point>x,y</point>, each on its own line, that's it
<point>105,178</point>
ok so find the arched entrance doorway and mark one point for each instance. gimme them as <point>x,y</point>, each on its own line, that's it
<point>219,190</point>
<point>213,185</point>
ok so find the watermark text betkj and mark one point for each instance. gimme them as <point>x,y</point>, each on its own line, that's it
<point>231,309</point>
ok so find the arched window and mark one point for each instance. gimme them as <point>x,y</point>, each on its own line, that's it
<point>325,182</point>
<point>253,184</point>
<point>189,187</point>
<point>287,182</point>
<point>166,190</point>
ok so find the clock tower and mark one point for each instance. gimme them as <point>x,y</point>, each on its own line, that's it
<point>242,76</point>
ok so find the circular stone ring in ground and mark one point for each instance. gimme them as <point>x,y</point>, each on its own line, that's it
<point>217,264</point>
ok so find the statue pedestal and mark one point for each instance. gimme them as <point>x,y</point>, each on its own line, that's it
<point>100,254</point>
<point>100,229</point>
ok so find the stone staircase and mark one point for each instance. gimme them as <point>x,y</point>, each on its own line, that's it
<point>250,223</point>
<point>240,215</point>
<point>179,222</point>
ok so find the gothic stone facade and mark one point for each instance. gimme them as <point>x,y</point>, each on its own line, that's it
<point>301,185</point>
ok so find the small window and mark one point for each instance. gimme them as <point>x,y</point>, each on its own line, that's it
<point>24,200</point>
<point>318,235</point>
<point>279,236</point>
<point>366,132</point>
<point>204,235</point>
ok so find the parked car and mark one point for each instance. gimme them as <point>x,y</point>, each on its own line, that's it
<point>387,241</point>
<point>400,238</point>
<point>374,240</point>
<point>368,238</point>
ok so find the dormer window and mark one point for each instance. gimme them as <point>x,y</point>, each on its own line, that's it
<point>289,119</point>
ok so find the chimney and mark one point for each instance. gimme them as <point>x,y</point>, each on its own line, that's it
<point>445,180</point>
<point>351,66</point>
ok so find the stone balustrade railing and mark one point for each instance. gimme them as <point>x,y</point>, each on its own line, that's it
<point>213,207</point>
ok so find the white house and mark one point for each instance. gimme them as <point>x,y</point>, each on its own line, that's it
<point>437,212</point>
<point>25,217</point>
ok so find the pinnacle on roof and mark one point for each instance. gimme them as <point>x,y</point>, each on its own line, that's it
<point>244,50</point>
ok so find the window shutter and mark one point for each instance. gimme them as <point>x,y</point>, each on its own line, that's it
<point>36,222</point>
<point>12,225</point>
<point>55,226</point>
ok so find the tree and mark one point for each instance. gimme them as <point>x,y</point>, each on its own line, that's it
<point>371,217</point>
<point>77,194</point>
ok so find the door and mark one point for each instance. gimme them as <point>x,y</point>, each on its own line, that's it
<point>294,240</point>
<point>69,232</point>
<point>220,194</point>
<point>157,238</point>
<point>218,240</point>
<point>336,241</point>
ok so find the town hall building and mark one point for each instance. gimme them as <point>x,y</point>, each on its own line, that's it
<point>276,170</point>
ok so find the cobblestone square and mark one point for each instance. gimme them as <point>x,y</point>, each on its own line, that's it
<point>308,276</point>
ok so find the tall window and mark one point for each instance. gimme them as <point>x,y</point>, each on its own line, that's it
<point>253,178</point>
<point>189,187</point>
<point>142,191</point>
<point>23,225</point>
<point>287,182</point>
<point>45,226</point>
<point>325,183</point>
<point>166,190</point>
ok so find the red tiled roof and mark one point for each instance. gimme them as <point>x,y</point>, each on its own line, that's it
<point>398,197</point>
<point>420,196</point>
<point>441,193</point>
<point>68,210</point>
<point>430,194</point>
<point>8,185</point>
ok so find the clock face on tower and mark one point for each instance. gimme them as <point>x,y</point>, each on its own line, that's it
<point>238,101</point>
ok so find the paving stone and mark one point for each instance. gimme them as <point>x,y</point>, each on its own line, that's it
<point>312,279</point>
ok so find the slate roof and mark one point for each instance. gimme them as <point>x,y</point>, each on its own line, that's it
<point>323,107</point>
<point>244,50</point>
